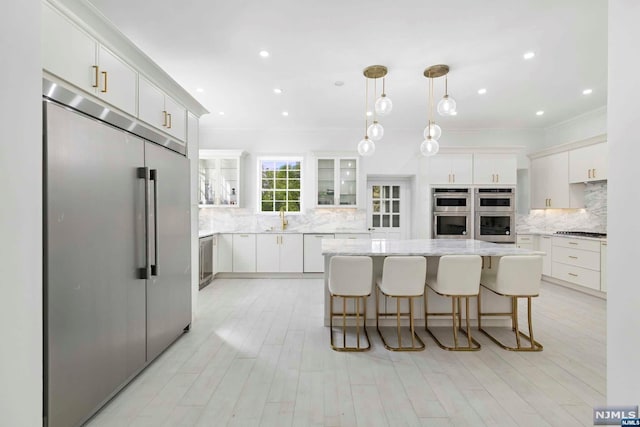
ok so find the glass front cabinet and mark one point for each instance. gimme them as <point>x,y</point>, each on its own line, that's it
<point>337,182</point>
<point>219,178</point>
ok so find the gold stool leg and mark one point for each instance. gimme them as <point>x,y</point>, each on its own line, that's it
<point>515,320</point>
<point>357,322</point>
<point>398,321</point>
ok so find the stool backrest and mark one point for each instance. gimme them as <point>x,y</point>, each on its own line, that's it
<point>459,274</point>
<point>350,275</point>
<point>519,275</point>
<point>405,274</point>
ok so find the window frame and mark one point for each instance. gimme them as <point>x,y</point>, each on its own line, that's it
<point>287,158</point>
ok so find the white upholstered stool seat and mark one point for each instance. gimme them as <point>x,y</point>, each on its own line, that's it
<point>457,276</point>
<point>516,276</point>
<point>350,277</point>
<point>402,277</point>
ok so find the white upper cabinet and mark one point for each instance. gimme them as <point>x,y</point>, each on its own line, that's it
<point>116,81</point>
<point>337,182</point>
<point>550,186</point>
<point>67,51</point>
<point>219,178</point>
<point>451,169</point>
<point>490,169</point>
<point>588,163</point>
<point>160,110</point>
<point>72,55</point>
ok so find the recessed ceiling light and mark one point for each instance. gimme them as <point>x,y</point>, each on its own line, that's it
<point>453,113</point>
<point>277,91</point>
<point>221,113</point>
<point>264,54</point>
<point>285,113</point>
<point>199,90</point>
<point>482,91</point>
<point>339,83</point>
<point>369,114</point>
<point>529,55</point>
<point>539,113</point>
<point>587,91</point>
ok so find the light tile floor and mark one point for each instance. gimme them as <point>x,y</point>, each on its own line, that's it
<point>258,355</point>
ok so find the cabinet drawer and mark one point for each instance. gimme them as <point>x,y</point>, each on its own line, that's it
<point>587,245</point>
<point>352,236</point>
<point>579,276</point>
<point>577,257</point>
<point>524,238</point>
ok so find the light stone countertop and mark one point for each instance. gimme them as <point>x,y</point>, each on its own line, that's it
<point>566,236</point>
<point>302,230</point>
<point>424,247</point>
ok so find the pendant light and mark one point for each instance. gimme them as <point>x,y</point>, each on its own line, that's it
<point>447,105</point>
<point>432,132</point>
<point>383,105</point>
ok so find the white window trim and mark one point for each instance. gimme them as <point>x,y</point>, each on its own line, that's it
<point>287,158</point>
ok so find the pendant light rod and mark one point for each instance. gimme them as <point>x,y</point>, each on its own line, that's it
<point>366,105</point>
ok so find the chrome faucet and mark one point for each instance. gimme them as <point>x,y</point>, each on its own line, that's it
<point>284,221</point>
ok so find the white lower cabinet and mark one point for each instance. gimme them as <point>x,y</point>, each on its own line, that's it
<point>525,241</point>
<point>244,253</point>
<point>279,253</point>
<point>576,261</point>
<point>313,259</point>
<point>545,245</point>
<point>352,236</point>
<point>603,266</point>
<point>214,267</point>
<point>225,253</point>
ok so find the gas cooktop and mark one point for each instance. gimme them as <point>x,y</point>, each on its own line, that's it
<point>583,234</point>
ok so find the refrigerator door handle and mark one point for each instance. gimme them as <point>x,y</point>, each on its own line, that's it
<point>154,178</point>
<point>145,272</point>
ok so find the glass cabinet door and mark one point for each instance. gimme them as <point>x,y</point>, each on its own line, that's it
<point>228,181</point>
<point>208,181</point>
<point>326,182</point>
<point>348,182</point>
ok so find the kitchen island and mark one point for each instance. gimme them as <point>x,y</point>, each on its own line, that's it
<point>433,249</point>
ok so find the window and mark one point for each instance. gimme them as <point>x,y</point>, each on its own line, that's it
<point>280,184</point>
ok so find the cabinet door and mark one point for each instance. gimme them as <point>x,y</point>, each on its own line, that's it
<point>588,163</point>
<point>462,168</point>
<point>440,169</point>
<point>291,253</point>
<point>267,253</point>
<point>550,182</point>
<point>539,175</point>
<point>176,118</point>
<point>67,51</point>
<point>492,169</point>
<point>214,256</point>
<point>326,180</point>
<point>313,258</point>
<point>545,245</point>
<point>225,253</point>
<point>348,184</point>
<point>118,82</point>
<point>150,104</point>
<point>603,267</point>
<point>244,253</point>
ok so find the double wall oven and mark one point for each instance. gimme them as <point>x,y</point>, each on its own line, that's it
<point>495,215</point>
<point>451,213</point>
<point>489,212</point>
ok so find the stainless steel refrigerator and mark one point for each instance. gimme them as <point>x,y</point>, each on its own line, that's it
<point>117,252</point>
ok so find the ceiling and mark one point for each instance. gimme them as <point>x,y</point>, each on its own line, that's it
<point>213,45</point>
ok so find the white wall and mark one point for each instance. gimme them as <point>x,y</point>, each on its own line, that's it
<point>21,216</point>
<point>397,154</point>
<point>578,128</point>
<point>623,300</point>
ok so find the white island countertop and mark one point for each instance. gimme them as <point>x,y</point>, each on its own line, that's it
<point>424,247</point>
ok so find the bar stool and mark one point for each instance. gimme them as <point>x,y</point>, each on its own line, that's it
<point>458,276</point>
<point>402,277</point>
<point>350,277</point>
<point>517,276</point>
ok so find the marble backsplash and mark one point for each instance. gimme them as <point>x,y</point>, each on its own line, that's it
<point>592,218</point>
<point>316,220</point>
